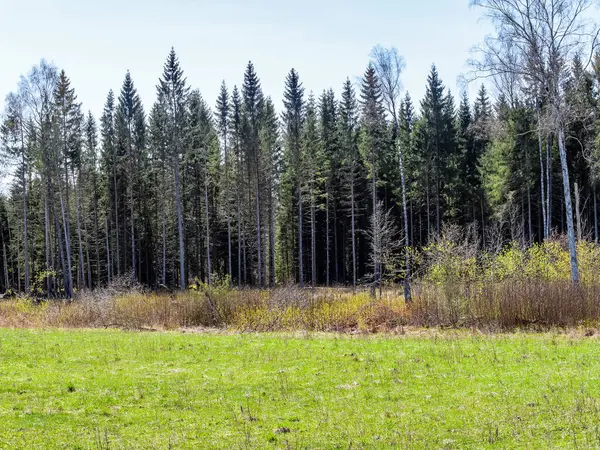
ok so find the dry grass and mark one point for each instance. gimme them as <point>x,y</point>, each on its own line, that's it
<point>503,305</point>
<point>506,305</point>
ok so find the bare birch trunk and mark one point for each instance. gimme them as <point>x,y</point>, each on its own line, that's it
<point>542,189</point>
<point>568,205</point>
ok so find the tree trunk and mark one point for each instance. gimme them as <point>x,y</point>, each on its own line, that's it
<point>258,229</point>
<point>335,246</point>
<point>87,256</point>
<point>5,260</point>
<point>134,274</point>
<point>271,240</point>
<point>179,226</point>
<point>353,232</point>
<point>530,231</point>
<point>549,184</point>
<point>108,261</point>
<point>117,245</point>
<point>239,238</point>
<point>376,250</point>
<point>578,214</point>
<point>313,245</point>
<point>595,217</point>
<point>568,206</point>
<point>407,293</point>
<point>67,247</point>
<point>96,240</point>
<point>25,233</point>
<point>300,244</point>
<point>61,250</point>
<point>542,189</point>
<point>163,275</point>
<point>81,278</point>
<point>428,204</point>
<point>327,239</point>
<point>47,243</point>
<point>207,214</point>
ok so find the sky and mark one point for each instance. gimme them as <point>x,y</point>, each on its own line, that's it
<point>326,41</point>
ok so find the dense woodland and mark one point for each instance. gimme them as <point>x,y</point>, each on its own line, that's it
<point>324,189</point>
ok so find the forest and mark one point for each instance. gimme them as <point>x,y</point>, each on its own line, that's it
<point>322,190</point>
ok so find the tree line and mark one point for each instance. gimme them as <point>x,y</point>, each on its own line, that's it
<point>325,191</point>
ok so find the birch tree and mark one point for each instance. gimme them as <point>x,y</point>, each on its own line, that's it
<point>388,65</point>
<point>545,35</point>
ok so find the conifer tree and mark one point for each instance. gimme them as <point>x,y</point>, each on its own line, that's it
<point>348,124</point>
<point>223,128</point>
<point>172,93</point>
<point>332,164</point>
<point>271,157</point>
<point>130,145</point>
<point>13,133</point>
<point>373,143</point>
<point>293,117</point>
<point>111,169</point>
<point>252,106</point>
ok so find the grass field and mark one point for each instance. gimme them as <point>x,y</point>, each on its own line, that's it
<point>114,389</point>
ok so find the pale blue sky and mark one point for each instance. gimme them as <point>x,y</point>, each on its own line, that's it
<point>325,40</point>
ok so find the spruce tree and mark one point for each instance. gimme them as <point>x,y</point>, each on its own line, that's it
<point>130,143</point>
<point>373,142</point>
<point>172,93</point>
<point>252,106</point>
<point>223,128</point>
<point>293,118</point>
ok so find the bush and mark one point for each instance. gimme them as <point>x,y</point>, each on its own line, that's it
<point>458,286</point>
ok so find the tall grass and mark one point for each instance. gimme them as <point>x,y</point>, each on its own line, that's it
<point>458,286</point>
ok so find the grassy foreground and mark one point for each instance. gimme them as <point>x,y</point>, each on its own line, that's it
<point>114,389</point>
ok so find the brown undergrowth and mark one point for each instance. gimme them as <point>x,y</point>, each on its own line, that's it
<point>502,305</point>
<point>458,286</point>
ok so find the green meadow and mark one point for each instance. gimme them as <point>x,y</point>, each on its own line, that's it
<point>98,389</point>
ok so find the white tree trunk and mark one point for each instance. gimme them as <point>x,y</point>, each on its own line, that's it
<point>568,205</point>
<point>542,182</point>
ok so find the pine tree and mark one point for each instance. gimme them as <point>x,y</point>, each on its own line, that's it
<point>271,157</point>
<point>348,124</point>
<point>313,168</point>
<point>331,165</point>
<point>373,143</point>
<point>236,140</point>
<point>130,146</point>
<point>93,193</point>
<point>111,169</point>
<point>223,128</point>
<point>67,133</point>
<point>252,105</point>
<point>173,93</point>
<point>293,117</point>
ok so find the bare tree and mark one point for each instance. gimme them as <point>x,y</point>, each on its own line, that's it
<point>544,35</point>
<point>382,236</point>
<point>388,65</point>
